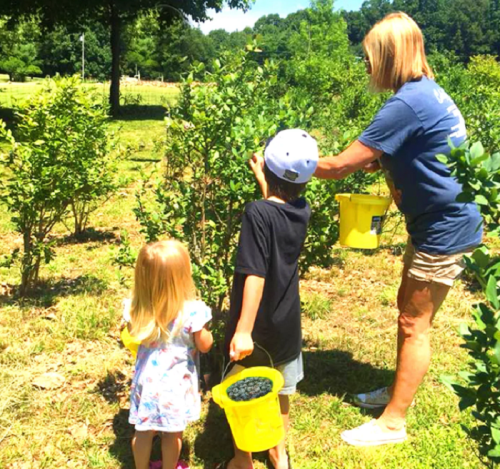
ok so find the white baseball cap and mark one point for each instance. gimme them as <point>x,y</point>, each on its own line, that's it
<point>292,155</point>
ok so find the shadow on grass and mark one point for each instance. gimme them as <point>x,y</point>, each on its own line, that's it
<point>88,236</point>
<point>133,112</point>
<point>214,444</point>
<point>44,294</point>
<point>394,249</point>
<point>335,372</point>
<point>121,448</point>
<point>114,386</point>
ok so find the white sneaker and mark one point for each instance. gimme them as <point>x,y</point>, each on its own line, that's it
<point>370,434</point>
<point>373,400</point>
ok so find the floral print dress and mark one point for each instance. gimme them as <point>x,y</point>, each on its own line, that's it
<point>164,393</point>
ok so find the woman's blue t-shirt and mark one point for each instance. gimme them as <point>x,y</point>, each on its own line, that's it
<point>413,127</point>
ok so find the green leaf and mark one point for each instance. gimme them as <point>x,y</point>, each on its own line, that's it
<point>494,453</point>
<point>448,381</point>
<point>442,159</point>
<point>481,200</point>
<point>476,151</point>
<point>465,197</point>
<point>497,352</point>
<point>477,161</point>
<point>491,292</point>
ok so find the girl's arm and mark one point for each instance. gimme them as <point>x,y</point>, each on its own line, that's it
<point>203,340</point>
<point>242,342</point>
<point>355,157</point>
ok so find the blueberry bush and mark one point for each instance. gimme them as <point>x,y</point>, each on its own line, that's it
<point>57,164</point>
<point>479,389</point>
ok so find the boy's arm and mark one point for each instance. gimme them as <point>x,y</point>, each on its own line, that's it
<point>257,165</point>
<point>242,343</point>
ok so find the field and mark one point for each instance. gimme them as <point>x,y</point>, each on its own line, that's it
<point>71,327</point>
<point>132,93</point>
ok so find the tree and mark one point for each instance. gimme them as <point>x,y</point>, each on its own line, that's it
<point>113,14</point>
<point>19,50</point>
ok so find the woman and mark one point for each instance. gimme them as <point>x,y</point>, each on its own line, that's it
<point>413,126</point>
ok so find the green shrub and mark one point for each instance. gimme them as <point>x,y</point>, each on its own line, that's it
<point>58,163</point>
<point>479,172</point>
<point>206,181</point>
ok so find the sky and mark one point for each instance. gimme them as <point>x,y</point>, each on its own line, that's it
<point>236,20</point>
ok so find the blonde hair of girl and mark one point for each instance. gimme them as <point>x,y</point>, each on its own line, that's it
<point>396,53</point>
<point>163,283</point>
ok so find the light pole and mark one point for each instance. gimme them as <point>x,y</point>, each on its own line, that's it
<point>82,38</point>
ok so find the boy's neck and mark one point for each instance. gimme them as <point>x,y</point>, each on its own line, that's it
<point>273,198</point>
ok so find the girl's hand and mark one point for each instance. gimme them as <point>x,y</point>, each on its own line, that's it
<point>241,346</point>
<point>257,165</point>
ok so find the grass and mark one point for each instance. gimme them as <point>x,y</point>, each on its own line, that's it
<point>71,327</point>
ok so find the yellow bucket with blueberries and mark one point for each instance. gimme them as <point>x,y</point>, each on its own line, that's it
<point>250,400</point>
<point>362,219</point>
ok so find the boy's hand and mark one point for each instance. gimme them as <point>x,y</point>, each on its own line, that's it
<point>241,346</point>
<point>257,165</point>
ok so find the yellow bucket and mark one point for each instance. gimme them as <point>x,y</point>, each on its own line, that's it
<point>256,425</point>
<point>361,219</point>
<point>130,342</point>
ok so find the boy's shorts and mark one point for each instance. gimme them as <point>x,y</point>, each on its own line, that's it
<point>434,268</point>
<point>292,371</point>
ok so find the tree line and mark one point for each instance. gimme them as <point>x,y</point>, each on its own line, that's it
<point>159,40</point>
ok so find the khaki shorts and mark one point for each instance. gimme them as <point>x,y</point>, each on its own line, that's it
<point>434,268</point>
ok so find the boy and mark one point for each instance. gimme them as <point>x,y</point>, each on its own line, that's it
<point>265,303</point>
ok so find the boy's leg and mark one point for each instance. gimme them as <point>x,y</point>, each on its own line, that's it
<point>293,373</point>
<point>278,454</point>
<point>141,447</point>
<point>171,444</point>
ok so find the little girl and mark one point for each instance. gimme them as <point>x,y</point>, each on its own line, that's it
<point>171,325</point>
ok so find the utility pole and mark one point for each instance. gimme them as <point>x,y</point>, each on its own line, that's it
<point>82,38</point>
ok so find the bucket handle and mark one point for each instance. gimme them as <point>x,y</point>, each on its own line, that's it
<point>230,362</point>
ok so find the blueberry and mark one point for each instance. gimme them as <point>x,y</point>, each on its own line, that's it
<point>249,388</point>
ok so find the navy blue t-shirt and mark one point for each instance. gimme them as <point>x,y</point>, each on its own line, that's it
<point>271,239</point>
<point>413,127</point>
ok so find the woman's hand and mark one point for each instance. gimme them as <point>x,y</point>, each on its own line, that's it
<point>372,167</point>
<point>241,346</point>
<point>257,165</point>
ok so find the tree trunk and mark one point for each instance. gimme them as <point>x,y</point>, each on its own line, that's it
<point>114,91</point>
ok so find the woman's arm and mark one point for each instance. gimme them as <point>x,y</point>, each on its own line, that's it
<point>355,157</point>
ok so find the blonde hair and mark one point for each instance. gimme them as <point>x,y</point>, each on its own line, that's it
<point>163,283</point>
<point>395,49</point>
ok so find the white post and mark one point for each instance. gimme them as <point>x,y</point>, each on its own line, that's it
<point>82,38</point>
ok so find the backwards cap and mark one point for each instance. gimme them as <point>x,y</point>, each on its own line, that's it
<point>292,155</point>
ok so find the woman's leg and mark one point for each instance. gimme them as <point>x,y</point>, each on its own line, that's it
<point>171,444</point>
<point>418,304</point>
<point>278,454</point>
<point>141,447</point>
